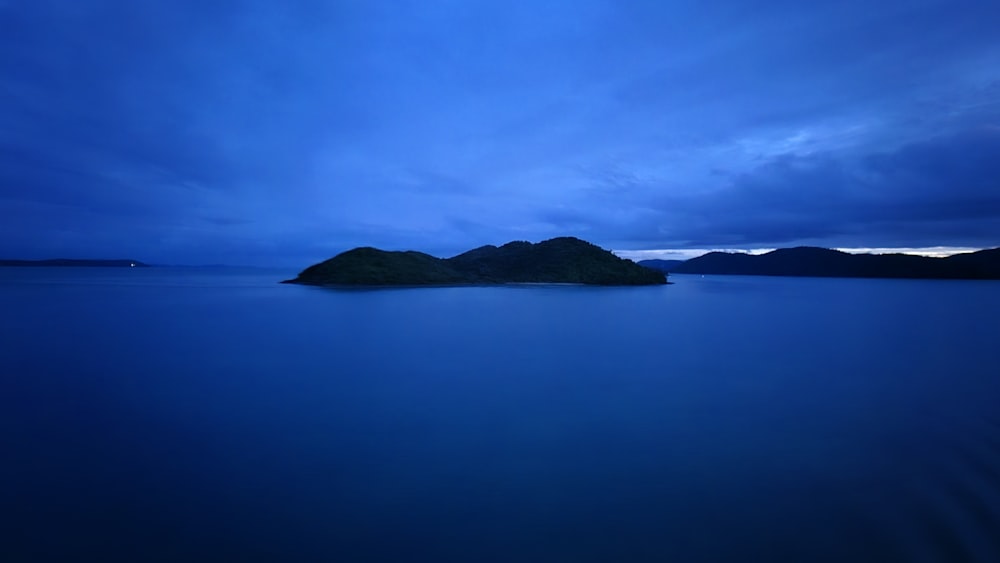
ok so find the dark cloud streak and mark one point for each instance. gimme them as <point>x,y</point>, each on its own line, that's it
<point>921,192</point>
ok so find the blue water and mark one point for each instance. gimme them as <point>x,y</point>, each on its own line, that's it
<point>214,415</point>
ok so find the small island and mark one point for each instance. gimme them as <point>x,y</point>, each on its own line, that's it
<point>560,260</point>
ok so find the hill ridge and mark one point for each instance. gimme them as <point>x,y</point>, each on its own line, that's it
<point>805,261</point>
<point>557,260</point>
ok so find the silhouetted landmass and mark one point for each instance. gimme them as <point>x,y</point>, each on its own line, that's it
<point>559,260</point>
<point>65,262</point>
<point>823,262</point>
<point>665,266</point>
<point>371,266</point>
<point>984,264</point>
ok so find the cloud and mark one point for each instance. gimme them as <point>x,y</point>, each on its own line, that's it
<point>197,129</point>
<point>923,193</point>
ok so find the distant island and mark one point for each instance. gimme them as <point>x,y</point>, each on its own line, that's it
<point>558,260</point>
<point>824,262</point>
<point>69,263</point>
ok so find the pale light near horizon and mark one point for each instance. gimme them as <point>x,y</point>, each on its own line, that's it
<point>688,253</point>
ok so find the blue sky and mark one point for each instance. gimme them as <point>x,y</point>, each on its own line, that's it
<point>262,132</point>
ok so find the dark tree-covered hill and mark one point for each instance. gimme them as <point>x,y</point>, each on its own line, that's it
<point>559,260</point>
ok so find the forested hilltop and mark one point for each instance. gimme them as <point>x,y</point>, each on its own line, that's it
<point>558,260</point>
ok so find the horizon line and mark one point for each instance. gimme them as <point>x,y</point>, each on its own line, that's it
<point>689,253</point>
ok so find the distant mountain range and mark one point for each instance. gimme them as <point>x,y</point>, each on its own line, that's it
<point>824,262</point>
<point>571,260</point>
<point>65,262</point>
<point>559,260</point>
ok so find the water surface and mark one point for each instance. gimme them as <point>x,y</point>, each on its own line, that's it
<point>209,415</point>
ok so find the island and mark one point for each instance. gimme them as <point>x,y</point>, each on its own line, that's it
<point>563,260</point>
<point>825,262</point>
<point>75,263</point>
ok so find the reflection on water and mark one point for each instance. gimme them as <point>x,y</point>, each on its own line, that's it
<point>216,415</point>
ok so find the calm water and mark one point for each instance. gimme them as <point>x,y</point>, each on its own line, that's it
<point>190,415</point>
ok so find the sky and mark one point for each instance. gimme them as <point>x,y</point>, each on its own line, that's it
<point>281,133</point>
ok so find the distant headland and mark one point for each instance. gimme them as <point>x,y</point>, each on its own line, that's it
<point>558,260</point>
<point>824,262</point>
<point>69,263</point>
